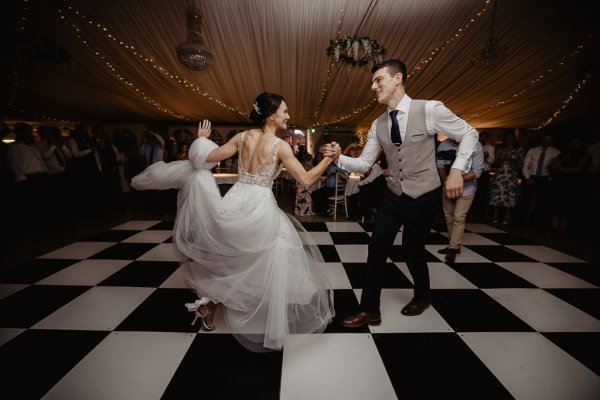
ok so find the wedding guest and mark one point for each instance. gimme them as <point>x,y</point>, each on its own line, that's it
<point>508,163</point>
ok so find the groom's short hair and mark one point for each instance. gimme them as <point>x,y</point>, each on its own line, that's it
<point>393,67</point>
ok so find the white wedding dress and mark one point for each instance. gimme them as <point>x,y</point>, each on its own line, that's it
<point>246,253</point>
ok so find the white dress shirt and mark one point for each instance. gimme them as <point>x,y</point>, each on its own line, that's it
<point>438,118</point>
<point>489,161</point>
<point>532,157</point>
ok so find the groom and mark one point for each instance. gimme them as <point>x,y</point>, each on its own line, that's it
<point>406,134</point>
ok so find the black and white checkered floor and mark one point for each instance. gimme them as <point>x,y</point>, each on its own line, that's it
<point>105,319</point>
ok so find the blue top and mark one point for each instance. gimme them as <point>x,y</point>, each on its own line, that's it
<point>448,146</point>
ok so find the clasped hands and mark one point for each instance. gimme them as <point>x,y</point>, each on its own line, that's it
<point>332,150</point>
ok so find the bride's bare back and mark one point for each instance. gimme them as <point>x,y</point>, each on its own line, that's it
<point>256,148</point>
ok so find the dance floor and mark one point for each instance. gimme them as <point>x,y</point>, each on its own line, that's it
<point>104,318</point>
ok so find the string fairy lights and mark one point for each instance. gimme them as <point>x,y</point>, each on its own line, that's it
<point>150,60</point>
<point>12,96</point>
<point>566,101</point>
<point>419,66</point>
<point>128,84</point>
<point>533,82</point>
<point>325,88</point>
<point>428,59</point>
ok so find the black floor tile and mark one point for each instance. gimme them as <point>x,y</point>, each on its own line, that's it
<point>471,310</point>
<point>436,366</point>
<point>490,275</point>
<point>142,273</point>
<point>31,304</point>
<point>397,255</point>
<point>392,276</point>
<point>583,346</point>
<point>345,304</point>
<point>506,238</point>
<point>163,226</point>
<point>124,251</point>
<point>500,254</point>
<point>439,226</point>
<point>315,226</point>
<point>586,271</point>
<point>367,226</point>
<point>111,236</point>
<point>216,366</point>
<point>163,311</point>
<point>329,253</point>
<point>36,360</point>
<point>587,300</point>
<point>34,270</point>
<point>350,237</point>
<point>436,238</point>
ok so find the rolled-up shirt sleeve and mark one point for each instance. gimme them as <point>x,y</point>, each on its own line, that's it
<point>438,118</point>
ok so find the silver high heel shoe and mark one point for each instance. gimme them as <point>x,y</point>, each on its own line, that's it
<point>195,307</point>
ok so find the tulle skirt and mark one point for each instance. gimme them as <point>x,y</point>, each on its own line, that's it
<point>247,254</point>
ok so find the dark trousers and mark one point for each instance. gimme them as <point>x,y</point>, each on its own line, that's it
<point>320,199</point>
<point>416,215</point>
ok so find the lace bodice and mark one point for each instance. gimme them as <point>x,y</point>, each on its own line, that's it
<point>266,173</point>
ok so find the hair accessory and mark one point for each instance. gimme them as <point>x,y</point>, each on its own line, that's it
<point>256,108</point>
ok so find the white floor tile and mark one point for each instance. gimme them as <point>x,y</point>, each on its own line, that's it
<point>344,227</point>
<point>321,237</point>
<point>531,367</point>
<point>149,237</point>
<point>392,320</point>
<point>125,365</point>
<point>78,250</point>
<point>6,289</point>
<point>337,275</point>
<point>545,254</point>
<point>85,273</point>
<point>102,308</point>
<point>543,311</point>
<point>466,255</point>
<point>482,228</point>
<point>164,252</point>
<point>136,225</point>
<point>441,276</point>
<point>545,276</point>
<point>176,280</point>
<point>352,253</point>
<point>333,366</point>
<point>7,334</point>
<point>474,239</point>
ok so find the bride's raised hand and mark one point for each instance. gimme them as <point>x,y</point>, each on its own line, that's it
<point>204,128</point>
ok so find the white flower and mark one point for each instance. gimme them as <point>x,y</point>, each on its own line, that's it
<point>256,108</point>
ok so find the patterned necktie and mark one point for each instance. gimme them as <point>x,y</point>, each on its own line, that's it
<point>396,138</point>
<point>540,164</point>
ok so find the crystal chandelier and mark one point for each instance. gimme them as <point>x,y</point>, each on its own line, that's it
<point>192,53</point>
<point>491,52</point>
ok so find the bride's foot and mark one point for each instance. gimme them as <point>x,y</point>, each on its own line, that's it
<point>204,309</point>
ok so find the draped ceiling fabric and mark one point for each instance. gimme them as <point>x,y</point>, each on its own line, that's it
<point>279,46</point>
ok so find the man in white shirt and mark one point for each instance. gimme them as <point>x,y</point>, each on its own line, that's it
<point>406,133</point>
<point>537,176</point>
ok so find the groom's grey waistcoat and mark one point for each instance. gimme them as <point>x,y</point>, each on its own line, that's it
<point>412,168</point>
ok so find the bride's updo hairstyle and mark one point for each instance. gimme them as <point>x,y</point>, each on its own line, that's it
<point>264,105</point>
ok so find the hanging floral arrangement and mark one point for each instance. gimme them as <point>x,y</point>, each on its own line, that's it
<point>356,51</point>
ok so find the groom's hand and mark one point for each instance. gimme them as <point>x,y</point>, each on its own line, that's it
<point>454,184</point>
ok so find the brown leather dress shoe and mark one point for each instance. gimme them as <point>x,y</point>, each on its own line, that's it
<point>362,318</point>
<point>415,307</point>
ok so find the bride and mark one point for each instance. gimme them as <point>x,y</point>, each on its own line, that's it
<point>245,252</point>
